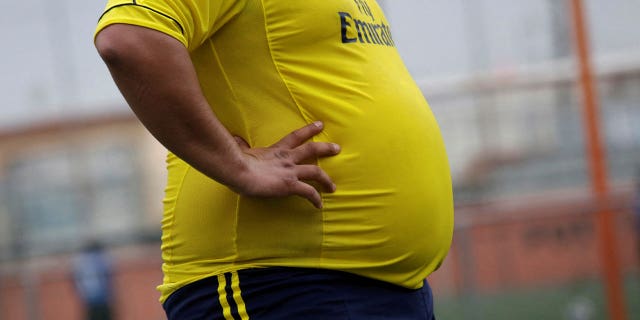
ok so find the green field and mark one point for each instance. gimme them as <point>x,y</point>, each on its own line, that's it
<point>549,303</point>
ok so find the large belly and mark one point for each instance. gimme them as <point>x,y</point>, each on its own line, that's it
<point>393,204</point>
<point>392,213</point>
<point>394,200</point>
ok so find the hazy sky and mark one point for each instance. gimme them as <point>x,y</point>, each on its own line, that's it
<point>51,70</point>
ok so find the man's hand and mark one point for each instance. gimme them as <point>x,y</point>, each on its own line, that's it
<point>286,168</point>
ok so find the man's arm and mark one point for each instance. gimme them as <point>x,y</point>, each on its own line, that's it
<point>155,74</point>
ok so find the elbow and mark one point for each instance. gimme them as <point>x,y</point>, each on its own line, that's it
<point>112,45</point>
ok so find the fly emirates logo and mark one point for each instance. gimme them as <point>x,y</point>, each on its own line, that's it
<point>369,30</point>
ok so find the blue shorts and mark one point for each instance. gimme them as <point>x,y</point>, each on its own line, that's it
<point>292,293</point>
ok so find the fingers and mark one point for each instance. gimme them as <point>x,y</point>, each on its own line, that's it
<point>314,150</point>
<point>288,159</point>
<point>306,191</point>
<point>313,173</point>
<point>302,151</point>
<point>299,136</point>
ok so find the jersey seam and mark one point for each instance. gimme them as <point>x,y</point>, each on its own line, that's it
<point>229,85</point>
<point>173,209</point>
<point>273,60</point>
<point>235,99</point>
<point>235,231</point>
<point>298,107</point>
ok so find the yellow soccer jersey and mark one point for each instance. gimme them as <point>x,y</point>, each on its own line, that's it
<point>268,67</point>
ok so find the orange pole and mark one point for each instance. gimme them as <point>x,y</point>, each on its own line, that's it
<point>598,168</point>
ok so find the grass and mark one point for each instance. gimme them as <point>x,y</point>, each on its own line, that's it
<point>584,298</point>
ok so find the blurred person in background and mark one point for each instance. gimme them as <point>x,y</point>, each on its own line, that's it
<point>92,277</point>
<point>307,177</point>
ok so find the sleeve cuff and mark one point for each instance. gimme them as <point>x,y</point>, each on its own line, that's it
<point>142,16</point>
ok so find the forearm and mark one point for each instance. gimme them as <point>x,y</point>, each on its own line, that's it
<point>155,75</point>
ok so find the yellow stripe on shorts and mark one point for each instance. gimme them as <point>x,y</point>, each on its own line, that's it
<point>222,297</point>
<point>236,296</point>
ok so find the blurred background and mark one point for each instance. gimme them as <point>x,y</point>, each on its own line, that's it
<point>535,237</point>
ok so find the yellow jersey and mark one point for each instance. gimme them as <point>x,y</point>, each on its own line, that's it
<point>268,67</point>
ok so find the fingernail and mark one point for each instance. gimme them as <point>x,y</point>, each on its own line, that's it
<point>318,124</point>
<point>335,147</point>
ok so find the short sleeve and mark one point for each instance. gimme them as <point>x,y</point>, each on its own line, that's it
<point>189,21</point>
